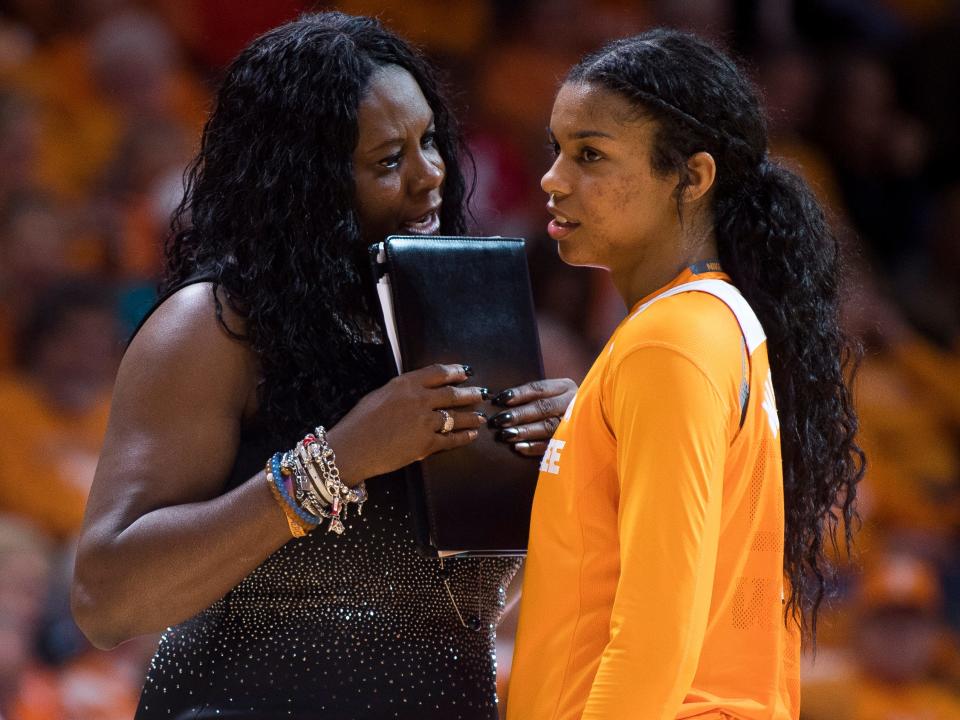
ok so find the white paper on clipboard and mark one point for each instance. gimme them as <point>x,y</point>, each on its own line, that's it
<point>386,304</point>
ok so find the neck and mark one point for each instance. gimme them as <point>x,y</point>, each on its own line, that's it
<point>636,282</point>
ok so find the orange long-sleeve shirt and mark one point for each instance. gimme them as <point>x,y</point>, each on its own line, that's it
<point>654,581</point>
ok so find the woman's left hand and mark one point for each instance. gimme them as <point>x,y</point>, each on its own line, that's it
<point>532,413</point>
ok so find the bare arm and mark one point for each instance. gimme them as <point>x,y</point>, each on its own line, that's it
<point>160,543</point>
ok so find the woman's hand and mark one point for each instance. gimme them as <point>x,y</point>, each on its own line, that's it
<point>533,414</point>
<point>401,422</point>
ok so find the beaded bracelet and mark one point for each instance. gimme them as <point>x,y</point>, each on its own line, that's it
<point>298,523</point>
<point>318,492</point>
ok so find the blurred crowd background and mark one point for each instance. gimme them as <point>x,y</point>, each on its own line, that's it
<point>101,105</point>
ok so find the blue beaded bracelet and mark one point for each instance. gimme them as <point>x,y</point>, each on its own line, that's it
<point>282,489</point>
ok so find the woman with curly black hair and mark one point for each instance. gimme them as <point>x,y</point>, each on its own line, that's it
<point>328,134</point>
<point>709,455</point>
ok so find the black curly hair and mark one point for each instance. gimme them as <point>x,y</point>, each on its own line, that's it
<point>270,211</point>
<point>776,244</point>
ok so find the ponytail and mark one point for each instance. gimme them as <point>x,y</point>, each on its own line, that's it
<point>777,246</point>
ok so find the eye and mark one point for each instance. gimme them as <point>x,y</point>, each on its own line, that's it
<point>429,139</point>
<point>391,161</point>
<point>589,155</point>
<point>553,147</point>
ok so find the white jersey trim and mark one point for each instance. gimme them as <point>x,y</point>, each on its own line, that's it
<point>750,325</point>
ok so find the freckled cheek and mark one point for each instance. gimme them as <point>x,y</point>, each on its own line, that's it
<point>625,196</point>
<point>612,213</point>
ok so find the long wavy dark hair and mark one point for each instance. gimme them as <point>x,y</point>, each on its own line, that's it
<point>777,246</point>
<point>270,211</point>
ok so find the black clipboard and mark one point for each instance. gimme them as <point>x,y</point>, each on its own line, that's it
<point>465,299</point>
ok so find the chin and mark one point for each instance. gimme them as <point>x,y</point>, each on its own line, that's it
<point>572,254</point>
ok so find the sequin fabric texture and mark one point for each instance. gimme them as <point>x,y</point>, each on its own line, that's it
<point>354,626</point>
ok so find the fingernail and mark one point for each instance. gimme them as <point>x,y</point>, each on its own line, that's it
<point>501,419</point>
<point>467,370</point>
<point>472,434</point>
<point>503,398</point>
<point>521,446</point>
<point>482,416</point>
<point>485,393</point>
<point>508,434</point>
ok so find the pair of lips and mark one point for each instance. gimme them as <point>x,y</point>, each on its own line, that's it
<point>559,218</point>
<point>427,224</point>
<point>560,226</point>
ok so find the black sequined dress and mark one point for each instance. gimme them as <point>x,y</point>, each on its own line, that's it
<point>343,627</point>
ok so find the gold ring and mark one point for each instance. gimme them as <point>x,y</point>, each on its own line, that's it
<point>448,421</point>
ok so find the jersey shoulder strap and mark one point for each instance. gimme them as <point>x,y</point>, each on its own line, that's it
<point>750,326</point>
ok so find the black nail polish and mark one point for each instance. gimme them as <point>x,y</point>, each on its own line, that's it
<point>501,419</point>
<point>467,370</point>
<point>508,434</point>
<point>503,398</point>
<point>485,393</point>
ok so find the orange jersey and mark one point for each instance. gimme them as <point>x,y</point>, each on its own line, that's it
<point>654,583</point>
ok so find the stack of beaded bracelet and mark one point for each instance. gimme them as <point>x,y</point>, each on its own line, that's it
<point>318,491</point>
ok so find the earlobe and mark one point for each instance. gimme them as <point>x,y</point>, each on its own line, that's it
<point>702,172</point>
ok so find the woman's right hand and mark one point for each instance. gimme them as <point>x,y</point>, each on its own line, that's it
<point>400,422</point>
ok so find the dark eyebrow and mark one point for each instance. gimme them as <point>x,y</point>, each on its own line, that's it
<point>386,143</point>
<point>397,140</point>
<point>582,134</point>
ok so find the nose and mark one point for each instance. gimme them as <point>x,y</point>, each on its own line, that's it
<point>428,171</point>
<point>553,182</point>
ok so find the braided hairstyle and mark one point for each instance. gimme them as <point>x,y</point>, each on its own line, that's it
<point>270,210</point>
<point>777,246</point>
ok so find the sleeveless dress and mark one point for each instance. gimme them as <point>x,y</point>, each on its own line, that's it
<point>338,627</point>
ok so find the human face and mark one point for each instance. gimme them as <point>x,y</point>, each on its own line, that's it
<point>610,209</point>
<point>397,167</point>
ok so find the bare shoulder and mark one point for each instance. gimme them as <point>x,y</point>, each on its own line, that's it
<point>184,343</point>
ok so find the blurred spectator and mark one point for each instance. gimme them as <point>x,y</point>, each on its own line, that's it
<point>92,685</point>
<point>930,293</point>
<point>789,78</point>
<point>909,411</point>
<point>27,691</point>
<point>713,19</point>
<point>140,188</point>
<point>19,144</point>
<point>111,69</point>
<point>214,31</point>
<point>427,22</point>
<point>879,153</point>
<point>900,648</point>
<point>135,65</point>
<point>929,63</point>
<point>53,412</point>
<point>34,254</point>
